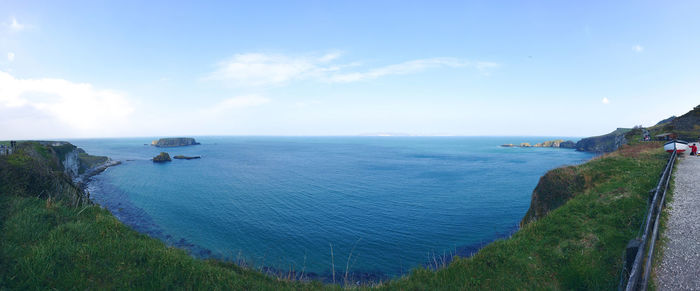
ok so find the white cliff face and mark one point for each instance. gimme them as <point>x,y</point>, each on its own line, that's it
<point>71,163</point>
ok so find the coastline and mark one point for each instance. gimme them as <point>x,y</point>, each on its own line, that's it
<point>138,220</point>
<point>83,180</point>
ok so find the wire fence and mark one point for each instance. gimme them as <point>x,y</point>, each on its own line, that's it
<point>637,268</point>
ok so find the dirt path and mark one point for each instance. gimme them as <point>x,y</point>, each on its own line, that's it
<point>680,265</point>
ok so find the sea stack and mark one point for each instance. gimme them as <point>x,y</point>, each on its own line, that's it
<point>161,158</point>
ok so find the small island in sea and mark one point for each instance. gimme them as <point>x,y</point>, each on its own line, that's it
<point>181,157</point>
<point>162,157</point>
<point>174,142</point>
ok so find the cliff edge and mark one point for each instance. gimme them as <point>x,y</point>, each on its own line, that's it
<point>553,190</point>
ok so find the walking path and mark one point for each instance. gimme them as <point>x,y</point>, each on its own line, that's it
<point>680,265</point>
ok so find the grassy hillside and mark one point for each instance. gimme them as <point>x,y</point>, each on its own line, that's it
<point>51,239</point>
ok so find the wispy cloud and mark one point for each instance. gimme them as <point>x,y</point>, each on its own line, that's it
<point>638,48</point>
<point>605,100</point>
<point>404,68</point>
<point>258,69</point>
<point>10,56</point>
<point>78,105</point>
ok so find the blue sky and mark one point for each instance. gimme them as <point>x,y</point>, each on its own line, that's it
<point>149,68</point>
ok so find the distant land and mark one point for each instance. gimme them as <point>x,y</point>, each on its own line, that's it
<point>174,142</point>
<point>557,143</point>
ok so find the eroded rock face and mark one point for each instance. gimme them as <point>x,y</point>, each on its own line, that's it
<point>174,142</point>
<point>604,143</point>
<point>162,157</point>
<point>71,163</point>
<point>567,145</point>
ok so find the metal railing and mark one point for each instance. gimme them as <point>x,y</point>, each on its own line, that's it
<point>641,266</point>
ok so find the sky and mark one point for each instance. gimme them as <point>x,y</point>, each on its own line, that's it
<point>80,69</point>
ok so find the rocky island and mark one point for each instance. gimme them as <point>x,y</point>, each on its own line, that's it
<point>174,142</point>
<point>161,158</point>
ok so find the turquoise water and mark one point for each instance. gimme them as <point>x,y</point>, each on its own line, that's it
<point>395,203</point>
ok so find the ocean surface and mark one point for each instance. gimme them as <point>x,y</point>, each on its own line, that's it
<point>376,206</point>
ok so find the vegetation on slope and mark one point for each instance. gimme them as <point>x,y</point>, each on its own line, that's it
<point>55,242</point>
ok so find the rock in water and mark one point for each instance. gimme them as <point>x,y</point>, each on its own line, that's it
<point>181,157</point>
<point>174,142</point>
<point>161,158</point>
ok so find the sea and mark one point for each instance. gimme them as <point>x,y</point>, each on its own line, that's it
<point>372,207</point>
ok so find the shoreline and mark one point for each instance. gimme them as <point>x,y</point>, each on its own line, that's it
<point>135,218</point>
<point>82,180</point>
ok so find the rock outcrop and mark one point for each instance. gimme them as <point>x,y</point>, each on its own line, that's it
<point>558,143</point>
<point>554,144</point>
<point>162,157</point>
<point>604,143</point>
<point>72,160</point>
<point>174,142</point>
<point>181,157</point>
<point>567,145</point>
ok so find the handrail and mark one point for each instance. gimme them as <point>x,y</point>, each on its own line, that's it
<point>653,216</point>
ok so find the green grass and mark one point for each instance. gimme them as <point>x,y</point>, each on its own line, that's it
<point>48,243</point>
<point>88,161</point>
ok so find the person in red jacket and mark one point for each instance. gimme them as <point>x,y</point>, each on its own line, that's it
<point>693,149</point>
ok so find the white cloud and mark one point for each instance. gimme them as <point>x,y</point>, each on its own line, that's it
<point>78,106</point>
<point>10,56</point>
<point>605,100</point>
<point>257,69</point>
<point>638,48</point>
<point>398,69</point>
<point>14,25</point>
